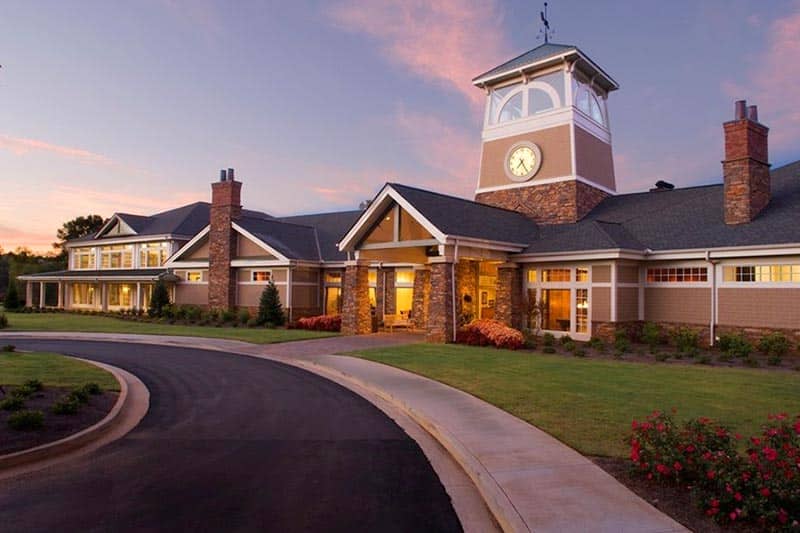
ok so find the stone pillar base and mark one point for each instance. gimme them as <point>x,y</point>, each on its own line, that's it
<point>440,306</point>
<point>356,313</point>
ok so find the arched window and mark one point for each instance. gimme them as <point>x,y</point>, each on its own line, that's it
<point>539,100</point>
<point>498,99</point>
<point>512,110</point>
<point>586,101</point>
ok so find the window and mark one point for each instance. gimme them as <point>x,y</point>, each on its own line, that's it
<point>82,294</point>
<point>496,98</point>
<point>677,275</point>
<point>262,276</point>
<point>194,276</point>
<point>333,300</point>
<point>586,100</point>
<point>153,254</point>
<point>384,231</point>
<point>333,277</point>
<point>404,276</point>
<point>120,256</point>
<point>83,258</point>
<point>532,275</point>
<point>555,309</point>
<point>762,273</point>
<point>582,310</point>
<point>512,110</point>
<point>372,277</point>
<point>119,294</point>
<point>539,101</point>
<point>555,274</point>
<point>582,274</point>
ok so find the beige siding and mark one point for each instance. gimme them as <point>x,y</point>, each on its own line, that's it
<point>556,156</point>
<point>191,293</point>
<point>627,304</point>
<point>249,295</point>
<point>627,274</point>
<point>199,252</point>
<point>760,307</point>
<point>681,305</point>
<point>304,296</point>
<point>305,275</point>
<point>601,274</point>
<point>601,304</point>
<point>248,248</point>
<point>593,159</point>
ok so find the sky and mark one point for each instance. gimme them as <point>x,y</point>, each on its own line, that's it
<point>112,106</point>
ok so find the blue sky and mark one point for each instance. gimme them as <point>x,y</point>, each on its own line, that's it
<point>135,106</point>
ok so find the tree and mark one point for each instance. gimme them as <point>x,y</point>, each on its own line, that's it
<point>270,310</point>
<point>77,227</point>
<point>12,298</point>
<point>159,300</point>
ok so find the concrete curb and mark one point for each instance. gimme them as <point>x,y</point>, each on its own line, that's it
<point>493,495</point>
<point>123,417</point>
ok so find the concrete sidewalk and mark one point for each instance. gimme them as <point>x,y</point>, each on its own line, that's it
<point>530,481</point>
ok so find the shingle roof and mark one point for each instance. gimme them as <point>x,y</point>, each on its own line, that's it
<point>330,228</point>
<point>465,218</point>
<point>690,218</point>
<point>542,51</point>
<point>293,241</point>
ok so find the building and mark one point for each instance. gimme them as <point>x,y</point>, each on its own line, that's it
<point>546,236</point>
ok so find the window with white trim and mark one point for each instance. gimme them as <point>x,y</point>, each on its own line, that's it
<point>194,276</point>
<point>83,258</point>
<point>153,254</point>
<point>677,275</point>
<point>117,256</point>
<point>261,276</point>
<point>761,273</point>
<point>555,275</point>
<point>519,100</point>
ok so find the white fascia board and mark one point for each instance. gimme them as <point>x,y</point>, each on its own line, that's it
<point>187,246</point>
<point>179,265</point>
<point>126,240</point>
<point>264,246</point>
<point>587,255</point>
<point>260,263</point>
<point>109,224</point>
<point>381,202</point>
<point>485,243</point>
<point>727,252</point>
<point>480,82</point>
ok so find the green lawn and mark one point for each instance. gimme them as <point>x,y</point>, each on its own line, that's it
<point>100,324</point>
<point>589,404</point>
<point>52,370</point>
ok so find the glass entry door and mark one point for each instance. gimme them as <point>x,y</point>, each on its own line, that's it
<point>556,309</point>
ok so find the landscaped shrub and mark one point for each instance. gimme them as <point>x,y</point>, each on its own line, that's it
<point>686,340</point>
<point>34,384</point>
<point>159,300</point>
<point>486,332</point>
<point>570,346</point>
<point>579,352</point>
<point>244,316</point>
<point>26,420</point>
<point>760,487</point>
<point>253,322</point>
<point>549,349</point>
<point>24,391</point>
<point>321,323</point>
<point>548,339</point>
<point>651,335</point>
<point>8,348</point>
<point>565,339</point>
<point>11,301</point>
<point>621,341</point>
<point>79,395</point>
<point>774,345</point>
<point>735,345</point>
<point>66,406</point>
<point>530,338</point>
<point>3,321</point>
<point>596,343</point>
<point>92,388</point>
<point>228,315</point>
<point>12,403</point>
<point>270,310</point>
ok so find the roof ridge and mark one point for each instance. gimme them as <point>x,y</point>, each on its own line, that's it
<point>321,214</point>
<point>461,199</point>
<point>277,221</point>
<point>479,76</point>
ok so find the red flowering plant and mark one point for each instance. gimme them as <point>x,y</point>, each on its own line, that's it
<point>486,332</point>
<point>321,323</point>
<point>762,486</point>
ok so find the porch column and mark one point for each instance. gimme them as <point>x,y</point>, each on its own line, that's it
<point>60,295</point>
<point>41,295</point>
<point>508,306</point>
<point>422,293</point>
<point>138,295</point>
<point>28,294</point>
<point>467,295</point>
<point>103,297</point>
<point>441,327</point>
<point>356,316</point>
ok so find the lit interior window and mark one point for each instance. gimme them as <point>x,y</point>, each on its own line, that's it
<point>261,275</point>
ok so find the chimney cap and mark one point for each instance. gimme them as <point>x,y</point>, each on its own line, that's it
<point>223,175</point>
<point>752,113</point>
<point>740,109</point>
<point>230,175</point>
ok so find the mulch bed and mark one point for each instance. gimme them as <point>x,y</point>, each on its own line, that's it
<point>673,501</point>
<point>55,426</point>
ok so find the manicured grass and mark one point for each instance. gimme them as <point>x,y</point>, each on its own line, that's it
<point>52,370</point>
<point>101,324</point>
<point>589,404</point>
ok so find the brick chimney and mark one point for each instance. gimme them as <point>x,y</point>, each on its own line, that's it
<point>226,207</point>
<point>746,166</point>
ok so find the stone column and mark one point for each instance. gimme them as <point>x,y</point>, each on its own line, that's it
<point>422,293</point>
<point>440,304</point>
<point>103,297</point>
<point>509,300</point>
<point>389,303</point>
<point>356,316</point>
<point>467,296</point>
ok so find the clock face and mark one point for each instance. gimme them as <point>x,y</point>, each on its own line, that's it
<point>523,162</point>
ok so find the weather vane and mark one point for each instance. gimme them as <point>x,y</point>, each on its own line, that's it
<point>545,30</point>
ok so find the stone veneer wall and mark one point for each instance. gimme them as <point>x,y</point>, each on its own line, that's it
<point>440,308</point>
<point>564,202</point>
<point>746,170</point>
<point>467,275</point>
<point>422,294</point>
<point>356,316</point>
<point>509,306</point>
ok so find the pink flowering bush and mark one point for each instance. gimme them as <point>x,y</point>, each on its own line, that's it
<point>762,486</point>
<point>485,332</point>
<point>321,323</point>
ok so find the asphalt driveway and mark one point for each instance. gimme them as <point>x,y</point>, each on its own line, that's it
<point>233,443</point>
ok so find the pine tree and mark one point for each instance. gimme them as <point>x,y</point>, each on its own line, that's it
<point>12,298</point>
<point>270,310</point>
<point>159,299</point>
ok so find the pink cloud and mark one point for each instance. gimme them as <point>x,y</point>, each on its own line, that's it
<point>12,237</point>
<point>772,81</point>
<point>449,41</point>
<point>22,146</point>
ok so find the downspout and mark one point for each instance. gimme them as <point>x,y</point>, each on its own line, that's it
<point>453,289</point>
<point>712,326</point>
<point>383,301</point>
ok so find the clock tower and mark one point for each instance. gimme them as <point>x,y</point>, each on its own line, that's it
<point>546,140</point>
